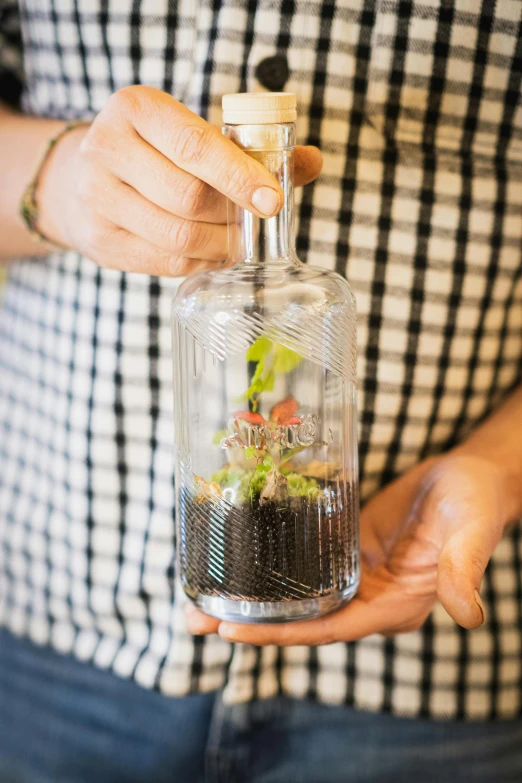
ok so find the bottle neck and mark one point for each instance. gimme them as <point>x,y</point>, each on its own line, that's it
<point>252,239</point>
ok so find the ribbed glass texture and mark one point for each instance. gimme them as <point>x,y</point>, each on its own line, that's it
<point>265,419</point>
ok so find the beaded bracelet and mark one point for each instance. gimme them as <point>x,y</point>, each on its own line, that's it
<point>29,210</point>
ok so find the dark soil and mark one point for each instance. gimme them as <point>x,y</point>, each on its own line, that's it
<point>269,552</point>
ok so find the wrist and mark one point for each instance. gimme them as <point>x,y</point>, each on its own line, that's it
<point>56,188</point>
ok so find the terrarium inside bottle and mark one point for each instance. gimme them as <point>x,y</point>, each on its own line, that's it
<point>265,409</point>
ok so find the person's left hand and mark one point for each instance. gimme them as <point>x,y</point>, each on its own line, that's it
<point>429,535</point>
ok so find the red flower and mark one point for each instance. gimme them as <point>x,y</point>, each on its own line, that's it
<point>293,420</point>
<point>283,412</point>
<point>251,418</point>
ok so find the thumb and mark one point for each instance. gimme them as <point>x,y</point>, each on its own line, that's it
<point>308,163</point>
<point>464,512</point>
<point>462,563</point>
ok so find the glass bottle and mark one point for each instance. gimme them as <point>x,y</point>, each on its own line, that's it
<point>265,409</point>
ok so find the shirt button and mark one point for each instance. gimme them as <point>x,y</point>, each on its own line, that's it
<point>273,72</point>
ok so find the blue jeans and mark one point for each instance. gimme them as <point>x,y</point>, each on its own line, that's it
<point>62,721</point>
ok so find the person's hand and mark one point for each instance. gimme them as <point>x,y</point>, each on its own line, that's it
<point>429,535</point>
<point>144,188</point>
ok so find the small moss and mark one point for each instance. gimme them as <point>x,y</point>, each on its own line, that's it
<point>249,484</point>
<point>227,477</point>
<point>252,485</point>
<point>302,487</point>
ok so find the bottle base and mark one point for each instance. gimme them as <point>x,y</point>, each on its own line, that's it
<point>238,611</point>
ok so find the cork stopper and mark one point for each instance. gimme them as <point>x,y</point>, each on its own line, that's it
<point>259,108</point>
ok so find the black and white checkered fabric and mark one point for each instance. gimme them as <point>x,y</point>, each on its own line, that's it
<point>11,53</point>
<point>416,107</point>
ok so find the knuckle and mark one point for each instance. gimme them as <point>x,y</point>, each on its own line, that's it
<point>163,228</point>
<point>236,178</point>
<point>90,144</point>
<point>198,241</point>
<point>183,235</point>
<point>176,266</point>
<point>192,143</point>
<point>98,236</point>
<point>196,198</point>
<point>96,141</point>
<point>126,100</point>
<point>93,189</point>
<point>102,234</point>
<point>478,562</point>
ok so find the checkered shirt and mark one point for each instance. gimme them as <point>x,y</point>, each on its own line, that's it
<point>416,107</point>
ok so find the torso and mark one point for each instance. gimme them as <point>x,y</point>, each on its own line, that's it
<point>419,205</point>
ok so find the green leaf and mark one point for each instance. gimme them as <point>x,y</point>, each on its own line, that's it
<point>285,360</point>
<point>259,349</point>
<point>256,385</point>
<point>269,381</point>
<point>250,452</point>
<point>256,378</point>
<point>259,382</point>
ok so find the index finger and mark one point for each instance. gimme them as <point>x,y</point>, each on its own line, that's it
<point>355,621</point>
<point>199,148</point>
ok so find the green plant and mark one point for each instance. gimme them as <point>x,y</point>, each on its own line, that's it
<point>248,485</point>
<point>272,359</point>
<point>268,479</point>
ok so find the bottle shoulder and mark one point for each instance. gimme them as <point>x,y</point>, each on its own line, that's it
<point>307,310</point>
<point>268,285</point>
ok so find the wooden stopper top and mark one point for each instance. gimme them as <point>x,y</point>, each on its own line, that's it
<point>259,108</point>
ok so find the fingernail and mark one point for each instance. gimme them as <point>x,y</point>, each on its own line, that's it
<point>266,200</point>
<point>478,599</point>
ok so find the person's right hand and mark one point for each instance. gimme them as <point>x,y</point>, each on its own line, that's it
<point>144,188</point>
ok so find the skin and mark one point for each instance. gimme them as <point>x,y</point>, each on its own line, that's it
<point>144,189</point>
<point>426,537</point>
